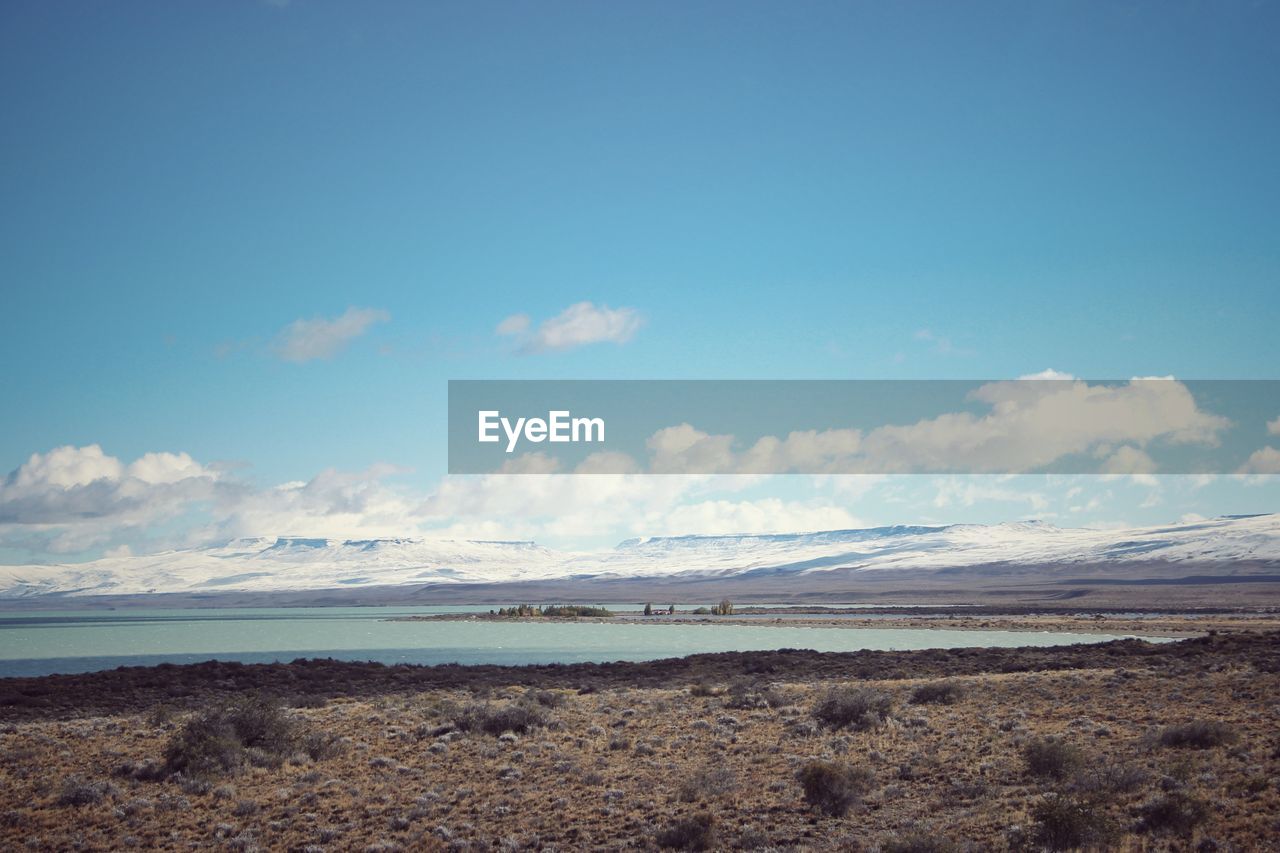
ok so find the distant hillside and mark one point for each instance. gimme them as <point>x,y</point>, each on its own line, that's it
<point>1221,546</point>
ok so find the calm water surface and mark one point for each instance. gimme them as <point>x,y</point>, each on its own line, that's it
<point>40,643</point>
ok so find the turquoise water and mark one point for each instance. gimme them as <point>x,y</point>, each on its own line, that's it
<point>40,643</point>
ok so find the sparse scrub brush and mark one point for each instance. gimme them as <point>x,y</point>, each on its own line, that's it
<point>833,787</point>
<point>78,791</point>
<point>1176,812</point>
<point>693,833</point>
<point>937,693</point>
<point>1068,822</point>
<point>495,720</point>
<point>858,708</point>
<point>220,740</point>
<point>1052,758</point>
<point>1198,734</point>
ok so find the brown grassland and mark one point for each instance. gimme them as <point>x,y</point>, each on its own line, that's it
<point>1125,746</point>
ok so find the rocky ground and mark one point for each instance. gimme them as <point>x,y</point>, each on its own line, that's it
<point>1129,746</point>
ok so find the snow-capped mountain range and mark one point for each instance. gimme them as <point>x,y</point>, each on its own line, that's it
<point>292,563</point>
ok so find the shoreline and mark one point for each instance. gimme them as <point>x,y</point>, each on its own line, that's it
<point>1142,740</point>
<point>1158,623</point>
<point>132,689</point>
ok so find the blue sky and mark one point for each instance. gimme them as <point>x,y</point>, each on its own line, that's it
<point>769,190</point>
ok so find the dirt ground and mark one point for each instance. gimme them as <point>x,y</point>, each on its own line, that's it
<point>607,765</point>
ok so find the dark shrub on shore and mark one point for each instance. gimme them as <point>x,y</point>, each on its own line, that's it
<point>703,689</point>
<point>1052,758</point>
<point>220,740</point>
<point>693,833</point>
<point>546,698</point>
<point>937,693</point>
<point>833,787</point>
<point>1110,777</point>
<point>1198,734</point>
<point>1068,822</point>
<point>321,745</point>
<point>78,791</point>
<point>1177,812</point>
<point>496,719</point>
<point>856,708</point>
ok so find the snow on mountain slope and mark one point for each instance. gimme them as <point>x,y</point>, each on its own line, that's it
<point>295,563</point>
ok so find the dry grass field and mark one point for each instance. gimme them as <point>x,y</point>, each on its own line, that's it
<point>1155,752</point>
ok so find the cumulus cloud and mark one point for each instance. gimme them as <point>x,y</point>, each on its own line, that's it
<point>683,449</point>
<point>1030,425</point>
<point>1264,461</point>
<point>1049,373</point>
<point>73,498</point>
<point>63,467</point>
<point>558,507</point>
<point>321,337</point>
<point>578,325</point>
<point>607,462</point>
<point>1128,460</point>
<point>333,504</point>
<point>167,468</point>
<point>971,491</point>
<point>516,324</point>
<point>1273,427</point>
<point>767,515</point>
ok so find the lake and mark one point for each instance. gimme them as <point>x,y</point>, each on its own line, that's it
<point>45,642</point>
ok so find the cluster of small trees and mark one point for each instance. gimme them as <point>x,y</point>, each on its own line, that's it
<point>724,608</point>
<point>557,611</point>
<point>520,610</point>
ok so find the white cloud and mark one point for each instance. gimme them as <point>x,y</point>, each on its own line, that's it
<point>333,504</point>
<point>320,337</point>
<point>1049,373</point>
<point>1264,461</point>
<point>534,506</point>
<point>767,515</point>
<point>942,344</point>
<point>516,324</point>
<point>607,462</point>
<point>683,449</point>
<point>578,325</point>
<point>64,467</point>
<point>1030,426</point>
<point>1129,460</point>
<point>850,485</point>
<point>167,468</point>
<point>73,498</point>
<point>1273,427</point>
<point>971,491</point>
